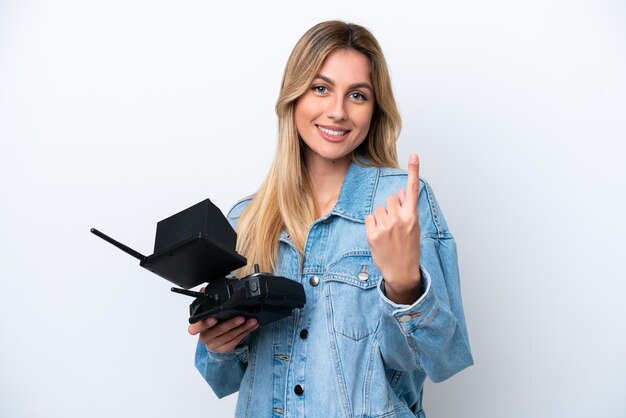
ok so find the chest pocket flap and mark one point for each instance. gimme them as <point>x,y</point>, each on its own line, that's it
<point>352,299</point>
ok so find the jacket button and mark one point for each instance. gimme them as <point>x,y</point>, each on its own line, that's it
<point>304,333</point>
<point>363,275</point>
<point>314,280</point>
<point>405,318</point>
<point>299,390</point>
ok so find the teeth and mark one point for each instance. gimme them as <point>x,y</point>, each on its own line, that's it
<point>331,132</point>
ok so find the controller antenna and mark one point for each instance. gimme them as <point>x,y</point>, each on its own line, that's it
<point>187,292</point>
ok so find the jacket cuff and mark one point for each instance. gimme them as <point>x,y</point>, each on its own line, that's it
<point>419,313</point>
<point>215,357</point>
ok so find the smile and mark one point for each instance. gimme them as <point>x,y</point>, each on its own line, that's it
<point>331,132</point>
<point>333,135</point>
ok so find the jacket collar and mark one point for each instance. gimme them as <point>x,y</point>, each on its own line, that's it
<point>356,197</point>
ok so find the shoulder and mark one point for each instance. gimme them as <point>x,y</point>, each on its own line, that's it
<point>235,211</point>
<point>390,180</point>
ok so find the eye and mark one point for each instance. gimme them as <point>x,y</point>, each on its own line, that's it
<point>357,97</point>
<point>319,89</point>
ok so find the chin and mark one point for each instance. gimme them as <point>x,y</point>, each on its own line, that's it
<point>334,157</point>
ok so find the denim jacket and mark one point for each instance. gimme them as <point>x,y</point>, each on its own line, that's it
<point>350,351</point>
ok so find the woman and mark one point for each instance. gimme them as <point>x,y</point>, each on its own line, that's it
<point>367,241</point>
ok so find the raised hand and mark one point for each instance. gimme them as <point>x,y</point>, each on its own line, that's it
<point>393,235</point>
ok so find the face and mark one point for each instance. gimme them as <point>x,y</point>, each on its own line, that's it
<point>334,115</point>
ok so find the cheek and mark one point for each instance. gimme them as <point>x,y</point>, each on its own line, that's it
<point>302,116</point>
<point>364,122</point>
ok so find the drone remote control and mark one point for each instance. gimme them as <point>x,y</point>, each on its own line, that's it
<point>197,245</point>
<point>260,295</point>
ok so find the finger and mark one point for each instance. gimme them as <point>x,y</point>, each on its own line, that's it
<point>380,213</point>
<point>231,345</point>
<point>401,196</point>
<point>393,204</point>
<point>237,338</point>
<point>370,228</point>
<point>412,182</point>
<point>226,338</point>
<point>201,326</point>
<point>226,326</point>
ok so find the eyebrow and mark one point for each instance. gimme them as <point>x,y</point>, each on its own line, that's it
<point>350,87</point>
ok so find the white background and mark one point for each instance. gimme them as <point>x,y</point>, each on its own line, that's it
<point>117,114</point>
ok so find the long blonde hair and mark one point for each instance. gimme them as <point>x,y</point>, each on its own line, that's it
<point>285,199</point>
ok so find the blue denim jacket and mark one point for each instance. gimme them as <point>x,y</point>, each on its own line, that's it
<point>361,355</point>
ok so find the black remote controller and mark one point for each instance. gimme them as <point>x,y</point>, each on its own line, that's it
<point>259,295</point>
<point>197,245</point>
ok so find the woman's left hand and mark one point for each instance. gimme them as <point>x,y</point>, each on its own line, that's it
<point>393,235</point>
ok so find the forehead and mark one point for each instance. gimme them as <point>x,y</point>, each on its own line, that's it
<point>346,66</point>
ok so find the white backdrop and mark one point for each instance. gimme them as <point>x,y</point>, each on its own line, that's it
<point>117,114</point>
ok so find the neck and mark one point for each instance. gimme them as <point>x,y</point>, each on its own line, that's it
<point>326,179</point>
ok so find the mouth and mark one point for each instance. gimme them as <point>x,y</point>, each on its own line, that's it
<point>332,134</point>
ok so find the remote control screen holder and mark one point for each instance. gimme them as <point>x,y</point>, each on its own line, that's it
<point>197,245</point>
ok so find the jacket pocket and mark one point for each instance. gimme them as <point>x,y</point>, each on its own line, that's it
<point>352,296</point>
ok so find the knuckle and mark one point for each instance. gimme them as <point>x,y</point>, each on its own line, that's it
<point>207,336</point>
<point>221,349</point>
<point>227,325</point>
<point>370,235</point>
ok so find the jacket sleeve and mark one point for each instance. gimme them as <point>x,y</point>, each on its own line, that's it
<point>430,335</point>
<point>224,371</point>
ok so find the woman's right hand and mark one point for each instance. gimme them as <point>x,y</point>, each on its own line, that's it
<point>224,336</point>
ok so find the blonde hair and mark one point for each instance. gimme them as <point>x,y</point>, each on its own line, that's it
<point>285,199</point>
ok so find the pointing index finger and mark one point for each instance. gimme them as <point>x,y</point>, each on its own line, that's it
<point>413,182</point>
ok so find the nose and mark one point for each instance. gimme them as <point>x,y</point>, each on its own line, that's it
<point>337,109</point>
